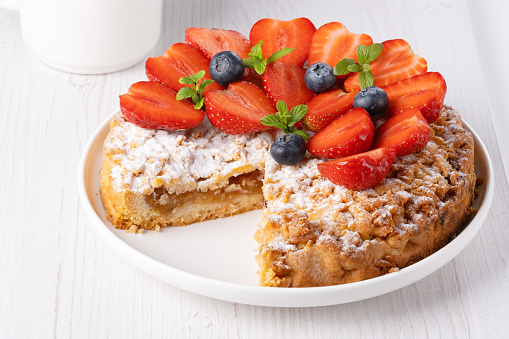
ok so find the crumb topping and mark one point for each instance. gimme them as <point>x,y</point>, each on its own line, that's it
<point>202,158</point>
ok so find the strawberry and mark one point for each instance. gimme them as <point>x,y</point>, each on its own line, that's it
<point>333,42</point>
<point>325,107</point>
<point>286,82</point>
<point>408,132</point>
<point>239,109</point>
<point>359,171</point>
<point>425,92</point>
<point>150,104</point>
<point>178,61</point>
<point>278,34</point>
<point>349,134</point>
<point>396,62</point>
<point>212,41</point>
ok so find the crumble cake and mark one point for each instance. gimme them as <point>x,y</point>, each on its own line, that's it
<point>313,232</point>
<point>316,233</point>
<point>397,184</point>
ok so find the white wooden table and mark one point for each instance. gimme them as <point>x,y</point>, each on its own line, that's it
<point>57,277</point>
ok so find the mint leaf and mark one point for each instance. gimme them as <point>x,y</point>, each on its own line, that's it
<point>273,120</point>
<point>185,92</point>
<point>296,114</point>
<point>341,67</point>
<point>374,52</point>
<point>282,110</point>
<point>186,81</point>
<point>256,51</point>
<point>260,66</point>
<point>256,60</point>
<point>199,105</point>
<point>204,84</point>
<point>365,79</point>
<point>250,62</point>
<point>279,54</point>
<point>301,133</point>
<point>285,119</point>
<point>365,55</point>
<point>195,92</point>
<point>354,68</point>
<point>197,76</point>
<point>362,54</point>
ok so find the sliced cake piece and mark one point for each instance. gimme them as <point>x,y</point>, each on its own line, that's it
<point>155,178</point>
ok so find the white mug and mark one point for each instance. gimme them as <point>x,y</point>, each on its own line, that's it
<point>89,36</point>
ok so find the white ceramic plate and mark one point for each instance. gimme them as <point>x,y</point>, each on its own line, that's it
<point>216,258</point>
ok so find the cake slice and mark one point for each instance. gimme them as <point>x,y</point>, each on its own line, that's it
<point>156,178</point>
<point>316,233</point>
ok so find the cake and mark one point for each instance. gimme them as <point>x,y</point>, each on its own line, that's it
<point>351,206</point>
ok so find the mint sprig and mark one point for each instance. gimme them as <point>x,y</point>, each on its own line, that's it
<point>195,92</point>
<point>365,55</point>
<point>286,120</point>
<point>256,60</point>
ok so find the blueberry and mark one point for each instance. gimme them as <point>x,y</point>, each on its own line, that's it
<point>319,77</point>
<point>373,99</point>
<point>226,67</point>
<point>288,149</point>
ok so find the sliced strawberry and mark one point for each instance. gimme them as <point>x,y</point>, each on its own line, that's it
<point>211,41</point>
<point>333,42</point>
<point>239,109</point>
<point>178,61</point>
<point>349,134</point>
<point>325,107</point>
<point>359,171</point>
<point>152,105</point>
<point>408,132</point>
<point>396,62</point>
<point>278,34</point>
<point>425,92</point>
<point>286,82</point>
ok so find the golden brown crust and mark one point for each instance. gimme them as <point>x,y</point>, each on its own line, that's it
<point>350,236</point>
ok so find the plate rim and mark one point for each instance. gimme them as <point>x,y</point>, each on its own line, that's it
<point>283,297</point>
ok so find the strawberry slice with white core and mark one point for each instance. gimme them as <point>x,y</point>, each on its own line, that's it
<point>425,92</point>
<point>178,61</point>
<point>333,42</point>
<point>407,132</point>
<point>286,82</point>
<point>239,109</point>
<point>396,62</point>
<point>279,34</point>
<point>211,41</point>
<point>326,107</point>
<point>152,105</point>
<point>349,134</point>
<point>359,171</point>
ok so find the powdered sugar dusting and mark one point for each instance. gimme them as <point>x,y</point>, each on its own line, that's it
<point>201,158</point>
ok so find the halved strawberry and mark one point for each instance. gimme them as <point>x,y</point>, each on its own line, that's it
<point>359,171</point>
<point>150,104</point>
<point>408,132</point>
<point>333,42</point>
<point>178,61</point>
<point>396,62</point>
<point>349,134</point>
<point>239,109</point>
<point>425,92</point>
<point>211,41</point>
<point>325,107</point>
<point>286,82</point>
<point>278,34</point>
